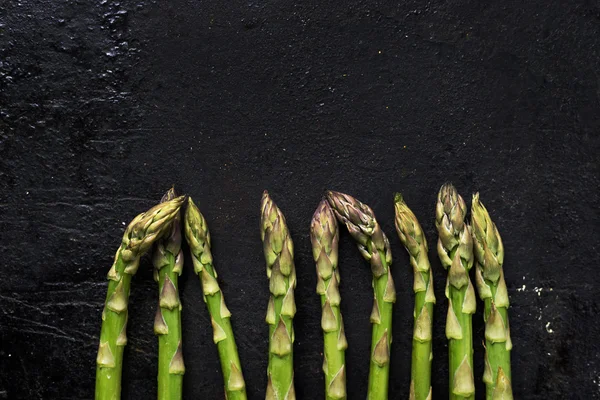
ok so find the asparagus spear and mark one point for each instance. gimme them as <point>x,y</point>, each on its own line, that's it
<point>198,238</point>
<point>412,236</point>
<point>489,255</point>
<point>168,262</point>
<point>279,256</point>
<point>324,237</point>
<point>138,238</point>
<point>375,248</point>
<point>455,249</point>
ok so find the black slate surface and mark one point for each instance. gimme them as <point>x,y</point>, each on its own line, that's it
<point>105,104</point>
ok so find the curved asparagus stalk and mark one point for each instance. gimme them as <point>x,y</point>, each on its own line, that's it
<point>198,238</point>
<point>168,263</point>
<point>489,254</point>
<point>138,238</point>
<point>412,237</point>
<point>455,249</point>
<point>375,248</point>
<point>279,256</point>
<point>324,237</point>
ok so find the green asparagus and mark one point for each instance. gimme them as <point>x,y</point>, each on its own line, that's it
<point>375,248</point>
<point>489,279</point>
<point>324,236</point>
<point>139,236</point>
<point>168,263</point>
<point>455,249</point>
<point>412,236</point>
<point>279,256</point>
<point>198,239</point>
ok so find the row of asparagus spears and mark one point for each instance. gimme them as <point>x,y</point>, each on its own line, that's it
<point>460,246</point>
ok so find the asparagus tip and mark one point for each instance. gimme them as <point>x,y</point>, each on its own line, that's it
<point>398,198</point>
<point>332,194</point>
<point>169,195</point>
<point>323,213</point>
<point>265,200</point>
<point>447,186</point>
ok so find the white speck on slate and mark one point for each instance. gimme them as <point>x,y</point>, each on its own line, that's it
<point>548,329</point>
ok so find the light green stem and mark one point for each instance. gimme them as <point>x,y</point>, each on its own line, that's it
<point>170,383</point>
<point>421,350</point>
<point>108,376</point>
<point>458,349</point>
<point>198,239</point>
<point>278,249</point>
<point>414,240</point>
<point>281,367</point>
<point>226,346</point>
<point>497,354</point>
<point>455,249</point>
<point>380,368</point>
<point>489,252</point>
<point>324,236</point>
<point>334,354</point>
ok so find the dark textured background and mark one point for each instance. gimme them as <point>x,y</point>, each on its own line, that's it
<point>105,104</point>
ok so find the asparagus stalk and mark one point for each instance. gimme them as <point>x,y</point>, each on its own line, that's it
<point>279,256</point>
<point>489,278</point>
<point>138,238</point>
<point>324,236</point>
<point>412,237</point>
<point>455,249</point>
<point>198,238</point>
<point>375,248</point>
<point>168,263</point>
